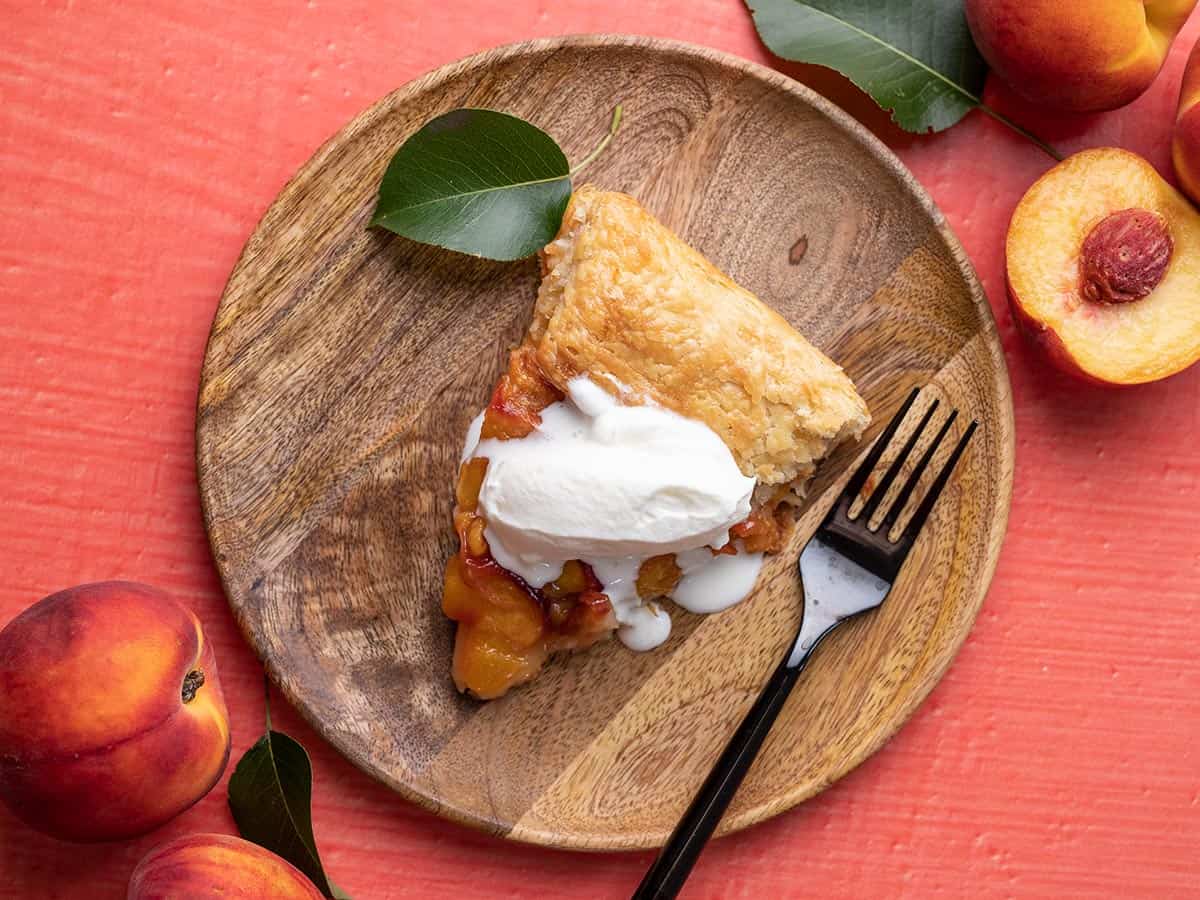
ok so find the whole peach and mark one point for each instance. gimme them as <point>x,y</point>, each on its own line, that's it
<point>1080,57</point>
<point>111,714</point>
<point>202,866</point>
<point>1185,145</point>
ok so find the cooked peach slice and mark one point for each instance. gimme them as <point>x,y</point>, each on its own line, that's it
<point>487,665</point>
<point>519,398</point>
<point>1103,261</point>
<point>658,576</point>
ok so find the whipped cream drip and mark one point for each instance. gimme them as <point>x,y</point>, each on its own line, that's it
<point>614,485</point>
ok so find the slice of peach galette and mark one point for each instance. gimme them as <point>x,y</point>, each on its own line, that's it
<point>645,443</point>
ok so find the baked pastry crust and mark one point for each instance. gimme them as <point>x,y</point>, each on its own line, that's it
<point>624,299</point>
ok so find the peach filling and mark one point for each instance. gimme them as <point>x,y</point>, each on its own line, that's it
<point>506,628</point>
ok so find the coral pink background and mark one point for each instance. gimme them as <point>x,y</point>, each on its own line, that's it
<point>139,143</point>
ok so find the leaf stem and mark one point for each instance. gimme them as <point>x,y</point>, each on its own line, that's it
<point>1005,120</point>
<point>612,132</point>
<point>267,702</point>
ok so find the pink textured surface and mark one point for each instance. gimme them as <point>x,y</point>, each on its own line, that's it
<point>139,143</point>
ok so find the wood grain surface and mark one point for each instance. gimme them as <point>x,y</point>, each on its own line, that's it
<point>345,363</point>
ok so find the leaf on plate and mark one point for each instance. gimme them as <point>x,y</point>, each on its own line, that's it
<point>913,57</point>
<point>477,181</point>
<point>270,796</point>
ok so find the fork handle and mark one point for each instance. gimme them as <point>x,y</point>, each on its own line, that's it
<point>679,854</point>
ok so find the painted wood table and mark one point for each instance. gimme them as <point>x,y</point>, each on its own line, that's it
<point>139,144</point>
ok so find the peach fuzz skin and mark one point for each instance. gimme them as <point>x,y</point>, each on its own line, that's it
<point>203,866</point>
<point>1185,144</point>
<point>96,740</point>
<point>1154,331</point>
<point>1079,57</point>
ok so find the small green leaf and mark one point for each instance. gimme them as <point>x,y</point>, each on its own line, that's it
<point>270,796</point>
<point>914,57</point>
<point>477,181</point>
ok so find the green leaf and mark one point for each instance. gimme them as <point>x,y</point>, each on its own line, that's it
<point>270,796</point>
<point>477,181</point>
<point>914,57</point>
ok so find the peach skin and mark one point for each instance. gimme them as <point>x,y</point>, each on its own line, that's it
<point>1185,144</point>
<point>111,715</point>
<point>1078,57</point>
<point>1103,264</point>
<point>203,866</point>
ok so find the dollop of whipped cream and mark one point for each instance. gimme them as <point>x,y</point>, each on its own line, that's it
<point>613,485</point>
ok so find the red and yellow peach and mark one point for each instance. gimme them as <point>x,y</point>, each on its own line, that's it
<point>212,866</point>
<point>111,715</point>
<point>1080,57</point>
<point>1185,144</point>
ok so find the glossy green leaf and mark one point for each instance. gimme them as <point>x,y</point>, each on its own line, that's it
<point>913,57</point>
<point>270,796</point>
<point>477,181</point>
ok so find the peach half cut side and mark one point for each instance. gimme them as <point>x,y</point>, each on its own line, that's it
<point>1103,267</point>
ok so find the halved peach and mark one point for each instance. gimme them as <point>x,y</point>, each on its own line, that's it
<point>1103,264</point>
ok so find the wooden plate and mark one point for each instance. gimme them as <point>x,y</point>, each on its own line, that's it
<point>345,363</point>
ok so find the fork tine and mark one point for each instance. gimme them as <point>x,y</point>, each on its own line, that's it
<point>859,478</point>
<point>885,483</point>
<point>914,526</point>
<point>911,485</point>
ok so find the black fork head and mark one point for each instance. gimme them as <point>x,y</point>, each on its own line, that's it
<point>874,550</point>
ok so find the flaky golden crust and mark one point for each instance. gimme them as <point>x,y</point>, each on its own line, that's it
<point>624,298</point>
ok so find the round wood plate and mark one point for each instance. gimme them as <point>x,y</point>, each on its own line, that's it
<point>345,363</point>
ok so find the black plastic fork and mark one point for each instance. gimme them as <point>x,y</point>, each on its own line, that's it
<point>847,556</point>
